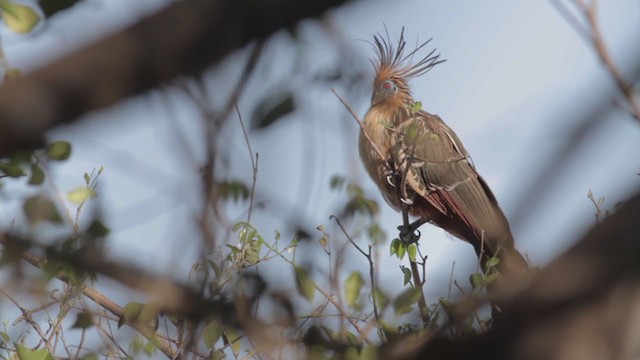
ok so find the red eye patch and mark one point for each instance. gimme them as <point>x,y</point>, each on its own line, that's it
<point>386,85</point>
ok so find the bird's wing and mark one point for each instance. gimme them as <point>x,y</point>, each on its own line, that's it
<point>440,170</point>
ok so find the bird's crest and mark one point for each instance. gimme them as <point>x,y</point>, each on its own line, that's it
<point>392,62</point>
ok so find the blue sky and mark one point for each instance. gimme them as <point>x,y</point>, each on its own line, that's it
<point>517,81</point>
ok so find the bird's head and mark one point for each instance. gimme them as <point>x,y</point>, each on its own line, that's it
<point>394,68</point>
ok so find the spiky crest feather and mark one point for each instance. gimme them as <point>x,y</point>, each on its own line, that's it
<point>391,62</point>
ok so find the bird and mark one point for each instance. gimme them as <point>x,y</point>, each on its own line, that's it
<point>421,165</point>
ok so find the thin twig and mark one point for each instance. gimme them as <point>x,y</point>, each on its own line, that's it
<point>254,164</point>
<point>103,301</point>
<point>355,116</point>
<point>371,276</point>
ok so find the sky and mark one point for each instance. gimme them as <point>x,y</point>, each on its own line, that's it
<point>517,82</point>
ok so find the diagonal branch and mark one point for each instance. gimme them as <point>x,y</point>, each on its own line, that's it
<point>183,39</point>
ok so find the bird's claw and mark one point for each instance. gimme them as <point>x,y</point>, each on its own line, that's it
<point>389,176</point>
<point>408,235</point>
<point>406,200</point>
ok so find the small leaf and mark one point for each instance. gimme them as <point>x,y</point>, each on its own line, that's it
<point>272,108</point>
<point>59,150</point>
<point>376,234</point>
<point>407,275</point>
<point>24,353</point>
<point>232,190</point>
<point>476,280</point>
<point>393,248</point>
<point>403,302</point>
<point>5,336</point>
<point>412,250</point>
<point>80,194</point>
<point>352,287</point>
<point>19,18</point>
<point>39,208</point>
<point>324,243</point>
<point>83,321</point>
<point>11,170</point>
<point>337,182</point>
<point>411,132</point>
<point>402,249</point>
<point>212,333</point>
<point>489,279</point>
<point>306,286</point>
<point>381,299</point>
<point>98,229</point>
<point>417,106</point>
<point>37,175</point>
<point>492,262</point>
<point>130,313</point>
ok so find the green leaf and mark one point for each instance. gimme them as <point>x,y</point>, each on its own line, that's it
<point>402,249</point>
<point>306,286</point>
<point>12,170</point>
<point>80,194</point>
<point>232,190</point>
<point>492,262</point>
<point>403,302</point>
<point>212,333</point>
<point>98,229</point>
<point>19,18</point>
<point>5,336</point>
<point>37,175</point>
<point>393,247</point>
<point>83,321</point>
<point>412,250</point>
<point>489,279</point>
<point>381,299</point>
<point>476,280</point>
<point>273,107</point>
<point>407,275</point>
<point>376,234</point>
<point>130,313</point>
<point>39,208</point>
<point>59,150</point>
<point>24,353</point>
<point>352,287</point>
<point>411,132</point>
<point>417,106</point>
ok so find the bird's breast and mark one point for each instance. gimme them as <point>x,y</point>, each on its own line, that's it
<point>375,150</point>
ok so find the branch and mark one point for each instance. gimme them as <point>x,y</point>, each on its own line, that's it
<point>581,303</point>
<point>595,36</point>
<point>185,38</point>
<point>100,299</point>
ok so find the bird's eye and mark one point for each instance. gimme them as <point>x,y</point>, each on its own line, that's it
<point>388,85</point>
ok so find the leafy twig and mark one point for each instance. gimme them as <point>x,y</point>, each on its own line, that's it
<point>371,276</point>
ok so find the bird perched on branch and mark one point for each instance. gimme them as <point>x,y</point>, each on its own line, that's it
<point>421,165</point>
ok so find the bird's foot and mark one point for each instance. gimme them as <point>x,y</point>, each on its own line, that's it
<point>409,234</point>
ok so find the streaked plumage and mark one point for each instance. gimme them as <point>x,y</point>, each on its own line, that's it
<point>438,179</point>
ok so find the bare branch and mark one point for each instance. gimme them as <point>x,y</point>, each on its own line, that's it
<point>138,59</point>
